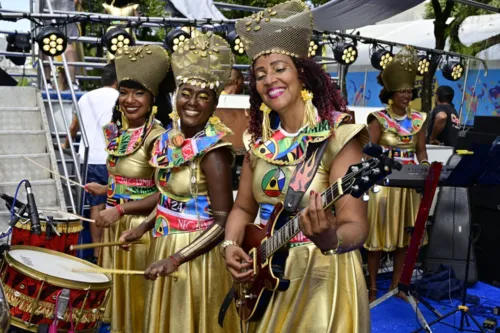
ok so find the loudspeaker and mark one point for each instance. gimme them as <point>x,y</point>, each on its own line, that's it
<point>449,234</point>
<point>485,204</point>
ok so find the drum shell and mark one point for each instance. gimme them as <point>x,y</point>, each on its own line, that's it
<point>24,286</point>
<point>69,234</point>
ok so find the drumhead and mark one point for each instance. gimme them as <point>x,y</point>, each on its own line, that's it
<point>59,216</point>
<point>56,266</point>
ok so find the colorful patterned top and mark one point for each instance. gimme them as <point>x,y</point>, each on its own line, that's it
<point>130,175</point>
<point>400,135</point>
<point>274,162</point>
<point>184,204</point>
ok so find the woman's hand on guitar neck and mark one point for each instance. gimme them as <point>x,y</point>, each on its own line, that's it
<point>318,225</point>
<point>238,263</point>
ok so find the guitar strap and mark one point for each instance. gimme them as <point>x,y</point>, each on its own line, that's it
<point>299,183</point>
<point>303,175</point>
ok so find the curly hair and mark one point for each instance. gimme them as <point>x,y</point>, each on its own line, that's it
<point>327,98</point>
<point>385,94</point>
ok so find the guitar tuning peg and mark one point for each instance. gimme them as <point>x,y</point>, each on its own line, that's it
<point>386,181</point>
<point>366,197</point>
<point>375,189</point>
<point>387,169</point>
<point>363,160</point>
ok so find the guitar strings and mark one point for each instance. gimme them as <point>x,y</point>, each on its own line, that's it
<point>327,192</point>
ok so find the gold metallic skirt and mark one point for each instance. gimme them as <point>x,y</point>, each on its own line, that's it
<point>125,309</point>
<point>327,294</point>
<point>389,212</point>
<point>192,302</point>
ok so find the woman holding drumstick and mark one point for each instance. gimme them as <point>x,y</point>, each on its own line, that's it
<point>141,73</point>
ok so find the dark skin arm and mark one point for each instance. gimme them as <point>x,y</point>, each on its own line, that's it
<point>216,166</point>
<point>144,206</point>
<point>439,123</point>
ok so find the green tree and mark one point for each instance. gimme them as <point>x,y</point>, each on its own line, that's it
<point>441,11</point>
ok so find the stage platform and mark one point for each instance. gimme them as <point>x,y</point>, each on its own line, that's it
<point>395,315</point>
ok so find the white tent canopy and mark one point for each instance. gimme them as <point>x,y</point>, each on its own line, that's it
<point>421,33</point>
<point>350,14</point>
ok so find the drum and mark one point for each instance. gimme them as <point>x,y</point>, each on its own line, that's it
<point>33,277</point>
<point>68,227</point>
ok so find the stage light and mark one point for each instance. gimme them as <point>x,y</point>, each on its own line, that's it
<point>236,43</point>
<point>51,41</point>
<point>313,48</point>
<point>345,54</point>
<point>176,38</point>
<point>381,58</point>
<point>453,70</point>
<point>116,38</point>
<point>423,64</point>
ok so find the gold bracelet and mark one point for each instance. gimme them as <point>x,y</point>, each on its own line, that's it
<point>225,244</point>
<point>336,249</point>
<point>219,213</point>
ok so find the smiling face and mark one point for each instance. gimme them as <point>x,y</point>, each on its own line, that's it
<point>195,105</point>
<point>277,82</point>
<point>135,104</point>
<point>402,98</point>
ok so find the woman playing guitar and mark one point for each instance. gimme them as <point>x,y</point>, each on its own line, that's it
<point>327,291</point>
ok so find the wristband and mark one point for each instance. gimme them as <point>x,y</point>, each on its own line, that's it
<point>425,162</point>
<point>225,244</point>
<point>336,250</point>
<point>120,210</point>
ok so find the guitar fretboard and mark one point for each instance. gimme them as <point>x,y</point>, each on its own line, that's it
<point>292,227</point>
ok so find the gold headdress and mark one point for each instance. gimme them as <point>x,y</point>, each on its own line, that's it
<point>401,72</point>
<point>285,28</point>
<point>145,64</point>
<point>204,60</point>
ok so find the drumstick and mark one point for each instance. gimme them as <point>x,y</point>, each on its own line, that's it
<point>54,173</point>
<point>173,275</point>
<point>71,214</point>
<point>94,245</point>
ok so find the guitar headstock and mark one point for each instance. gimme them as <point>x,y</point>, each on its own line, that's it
<point>362,176</point>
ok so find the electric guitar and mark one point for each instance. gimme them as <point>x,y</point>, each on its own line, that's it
<point>267,245</point>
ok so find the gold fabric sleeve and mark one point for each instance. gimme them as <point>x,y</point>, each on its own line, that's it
<point>204,243</point>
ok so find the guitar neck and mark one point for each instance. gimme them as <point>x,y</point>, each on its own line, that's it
<point>284,234</point>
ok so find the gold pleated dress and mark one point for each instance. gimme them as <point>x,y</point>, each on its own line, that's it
<point>326,293</point>
<point>190,303</point>
<point>393,209</point>
<point>130,178</point>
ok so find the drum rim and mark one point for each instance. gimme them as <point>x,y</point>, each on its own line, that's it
<point>56,281</point>
<point>34,327</point>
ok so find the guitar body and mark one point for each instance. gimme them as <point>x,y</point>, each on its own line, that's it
<point>252,298</point>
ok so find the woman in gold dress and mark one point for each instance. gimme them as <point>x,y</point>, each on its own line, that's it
<point>193,175</point>
<point>399,129</point>
<point>141,73</point>
<point>327,291</point>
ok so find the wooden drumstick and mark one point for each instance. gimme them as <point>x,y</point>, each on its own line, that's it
<point>94,245</point>
<point>70,214</point>
<point>54,173</point>
<point>91,270</point>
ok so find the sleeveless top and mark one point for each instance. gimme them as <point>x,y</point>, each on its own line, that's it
<point>400,136</point>
<point>273,162</point>
<point>130,175</point>
<point>184,203</point>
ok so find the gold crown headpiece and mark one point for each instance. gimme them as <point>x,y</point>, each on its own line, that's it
<point>145,64</point>
<point>285,28</point>
<point>401,72</point>
<point>204,60</point>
